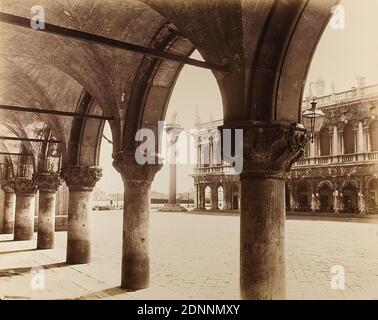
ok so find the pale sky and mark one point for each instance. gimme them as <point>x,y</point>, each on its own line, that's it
<point>341,56</point>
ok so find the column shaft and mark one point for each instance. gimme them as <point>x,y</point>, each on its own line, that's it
<point>262,249</point>
<point>269,150</point>
<point>46,220</point>
<point>172,184</point>
<point>78,233</point>
<point>135,251</point>
<point>9,212</point>
<point>80,181</point>
<point>24,218</point>
<point>137,179</point>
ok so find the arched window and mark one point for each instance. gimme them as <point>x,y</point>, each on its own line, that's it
<point>349,139</point>
<point>208,197</point>
<point>325,198</point>
<point>372,196</point>
<point>350,198</point>
<point>303,196</point>
<point>325,142</point>
<point>373,131</point>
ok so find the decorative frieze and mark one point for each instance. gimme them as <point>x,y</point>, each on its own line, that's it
<point>269,150</point>
<point>24,186</point>
<point>7,186</point>
<point>81,178</point>
<point>133,172</point>
<point>47,182</point>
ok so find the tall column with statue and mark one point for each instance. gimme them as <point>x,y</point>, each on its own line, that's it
<point>173,130</point>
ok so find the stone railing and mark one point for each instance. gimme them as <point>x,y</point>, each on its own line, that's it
<point>220,169</point>
<point>354,93</point>
<point>343,158</point>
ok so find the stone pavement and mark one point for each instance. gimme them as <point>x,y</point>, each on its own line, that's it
<point>195,257</point>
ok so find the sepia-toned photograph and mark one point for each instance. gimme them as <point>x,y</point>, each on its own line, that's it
<point>199,151</point>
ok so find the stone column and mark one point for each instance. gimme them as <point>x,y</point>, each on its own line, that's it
<point>335,142</point>
<point>360,138</point>
<point>173,132</point>
<point>137,181</point>
<point>214,197</point>
<point>25,201</point>
<point>48,185</point>
<point>80,181</point>
<point>9,207</point>
<point>336,205</point>
<point>269,150</point>
<point>202,198</point>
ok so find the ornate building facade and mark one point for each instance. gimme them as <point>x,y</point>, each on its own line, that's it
<point>337,174</point>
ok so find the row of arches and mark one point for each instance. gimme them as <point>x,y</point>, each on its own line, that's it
<point>325,197</point>
<point>218,196</point>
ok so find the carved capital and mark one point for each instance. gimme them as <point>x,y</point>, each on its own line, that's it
<point>7,186</point>
<point>47,182</point>
<point>133,172</point>
<point>81,178</point>
<point>24,186</point>
<point>269,150</point>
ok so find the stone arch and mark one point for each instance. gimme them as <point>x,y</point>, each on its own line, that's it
<point>208,195</point>
<point>86,135</point>
<point>347,182</point>
<point>325,182</point>
<point>7,168</point>
<point>371,194</point>
<point>369,180</point>
<point>325,196</point>
<point>349,195</point>
<point>153,84</point>
<point>302,194</point>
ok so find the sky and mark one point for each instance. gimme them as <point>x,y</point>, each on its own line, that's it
<point>341,56</point>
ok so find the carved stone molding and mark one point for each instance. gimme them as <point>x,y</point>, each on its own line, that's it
<point>6,185</point>
<point>47,182</point>
<point>269,150</point>
<point>133,172</point>
<point>24,186</point>
<point>81,178</point>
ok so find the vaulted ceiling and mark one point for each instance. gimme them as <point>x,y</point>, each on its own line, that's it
<point>267,44</point>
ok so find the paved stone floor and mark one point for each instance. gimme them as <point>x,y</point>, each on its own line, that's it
<point>195,257</point>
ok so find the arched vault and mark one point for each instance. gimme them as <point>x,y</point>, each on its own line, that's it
<point>267,46</point>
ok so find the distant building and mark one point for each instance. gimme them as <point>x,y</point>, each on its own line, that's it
<point>339,172</point>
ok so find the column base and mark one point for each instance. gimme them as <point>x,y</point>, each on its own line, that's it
<point>78,252</point>
<point>45,242</point>
<point>172,207</point>
<point>135,273</point>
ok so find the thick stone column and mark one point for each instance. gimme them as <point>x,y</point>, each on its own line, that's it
<point>137,181</point>
<point>25,200</point>
<point>9,207</point>
<point>269,150</point>
<point>48,185</point>
<point>80,181</point>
